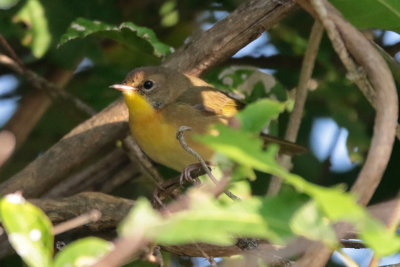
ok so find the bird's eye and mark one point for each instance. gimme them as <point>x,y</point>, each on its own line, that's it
<point>148,85</point>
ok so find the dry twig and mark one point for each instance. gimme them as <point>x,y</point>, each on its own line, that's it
<point>300,100</point>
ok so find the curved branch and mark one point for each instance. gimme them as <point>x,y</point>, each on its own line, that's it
<point>346,39</point>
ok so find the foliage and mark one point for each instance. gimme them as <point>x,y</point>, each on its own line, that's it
<point>375,14</point>
<point>127,33</point>
<point>52,36</point>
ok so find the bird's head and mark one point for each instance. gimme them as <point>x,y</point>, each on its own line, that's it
<point>158,86</point>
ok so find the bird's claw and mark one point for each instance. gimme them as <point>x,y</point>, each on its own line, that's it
<point>191,174</point>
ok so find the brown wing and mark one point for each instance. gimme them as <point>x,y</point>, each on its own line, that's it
<point>210,101</point>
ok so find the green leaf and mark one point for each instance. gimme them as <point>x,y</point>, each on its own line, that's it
<point>375,14</point>
<point>242,147</point>
<point>29,230</point>
<point>376,236</point>
<point>7,4</point>
<point>256,115</point>
<point>214,223</point>
<point>310,222</point>
<point>142,216</point>
<point>37,35</point>
<point>217,222</point>
<point>128,33</point>
<point>84,252</point>
<point>279,211</point>
<point>169,14</point>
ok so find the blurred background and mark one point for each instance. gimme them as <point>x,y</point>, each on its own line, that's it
<point>336,127</point>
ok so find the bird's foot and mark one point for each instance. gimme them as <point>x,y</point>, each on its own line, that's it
<point>191,174</point>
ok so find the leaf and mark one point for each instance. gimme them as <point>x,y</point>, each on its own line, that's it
<point>281,210</point>
<point>310,222</point>
<point>127,33</point>
<point>256,115</point>
<point>37,35</point>
<point>375,14</point>
<point>142,216</point>
<point>29,230</point>
<point>376,236</point>
<point>7,4</point>
<point>169,14</point>
<point>83,252</point>
<point>212,221</point>
<point>241,147</point>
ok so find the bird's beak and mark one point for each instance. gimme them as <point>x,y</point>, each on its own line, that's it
<point>123,87</point>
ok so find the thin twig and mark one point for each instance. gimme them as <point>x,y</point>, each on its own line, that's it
<point>349,262</point>
<point>124,249</point>
<point>42,84</point>
<point>134,152</point>
<point>92,216</point>
<point>11,51</point>
<point>300,100</point>
<point>181,138</point>
<point>210,259</point>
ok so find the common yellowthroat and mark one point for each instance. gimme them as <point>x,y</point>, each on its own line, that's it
<point>160,100</point>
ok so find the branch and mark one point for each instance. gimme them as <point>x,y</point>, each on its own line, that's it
<point>83,142</point>
<point>209,49</point>
<point>104,176</point>
<point>223,40</point>
<point>300,100</point>
<point>270,62</point>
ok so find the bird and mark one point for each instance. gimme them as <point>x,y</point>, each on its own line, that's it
<point>160,100</point>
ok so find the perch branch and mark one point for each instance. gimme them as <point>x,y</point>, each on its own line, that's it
<point>300,100</point>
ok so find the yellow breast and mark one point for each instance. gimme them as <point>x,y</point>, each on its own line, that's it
<point>157,137</point>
